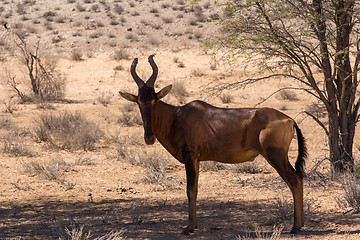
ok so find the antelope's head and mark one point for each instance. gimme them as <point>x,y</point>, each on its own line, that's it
<point>146,98</point>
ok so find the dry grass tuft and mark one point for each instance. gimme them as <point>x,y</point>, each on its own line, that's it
<point>68,131</point>
<point>288,95</point>
<point>249,167</point>
<point>52,169</point>
<point>76,55</point>
<point>197,72</point>
<point>80,234</point>
<point>121,54</point>
<point>259,234</point>
<point>13,140</point>
<point>130,116</point>
<point>155,170</point>
<point>105,98</point>
<point>351,198</point>
<point>211,166</point>
<point>179,91</point>
<point>168,19</point>
<point>14,144</point>
<point>226,98</point>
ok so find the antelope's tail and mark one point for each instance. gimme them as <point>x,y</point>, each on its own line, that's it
<point>300,162</point>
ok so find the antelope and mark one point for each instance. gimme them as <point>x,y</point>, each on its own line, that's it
<point>199,131</point>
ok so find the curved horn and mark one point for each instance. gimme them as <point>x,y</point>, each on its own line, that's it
<point>137,79</point>
<point>153,77</point>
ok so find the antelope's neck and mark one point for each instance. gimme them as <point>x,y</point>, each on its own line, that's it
<point>164,118</point>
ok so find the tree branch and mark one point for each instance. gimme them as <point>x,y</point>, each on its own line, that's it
<point>318,121</point>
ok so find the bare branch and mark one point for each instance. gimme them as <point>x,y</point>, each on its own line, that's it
<point>318,121</point>
<point>281,89</point>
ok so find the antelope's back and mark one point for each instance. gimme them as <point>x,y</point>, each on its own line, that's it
<point>225,134</point>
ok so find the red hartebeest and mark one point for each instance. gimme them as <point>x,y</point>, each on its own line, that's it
<point>198,132</point>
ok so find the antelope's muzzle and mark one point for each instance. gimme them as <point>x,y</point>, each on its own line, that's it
<point>149,135</point>
<point>149,140</point>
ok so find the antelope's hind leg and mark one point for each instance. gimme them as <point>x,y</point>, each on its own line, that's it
<point>192,178</point>
<point>277,157</point>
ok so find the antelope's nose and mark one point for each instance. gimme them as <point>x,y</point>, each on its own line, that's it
<point>150,140</point>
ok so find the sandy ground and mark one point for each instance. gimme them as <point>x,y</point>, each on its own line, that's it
<point>107,188</point>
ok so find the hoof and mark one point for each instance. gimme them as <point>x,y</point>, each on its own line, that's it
<point>187,231</point>
<point>295,230</point>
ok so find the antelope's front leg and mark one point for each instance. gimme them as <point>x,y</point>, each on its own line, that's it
<point>192,177</point>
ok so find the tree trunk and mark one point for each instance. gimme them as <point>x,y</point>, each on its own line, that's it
<point>341,138</point>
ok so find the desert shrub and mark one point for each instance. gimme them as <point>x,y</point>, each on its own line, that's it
<point>156,26</point>
<point>193,22</point>
<point>7,123</point>
<point>100,24</point>
<point>165,5</point>
<point>154,41</point>
<point>130,116</point>
<point>154,10</point>
<point>68,131</point>
<point>248,167</point>
<point>131,37</point>
<point>15,145</point>
<point>85,161</point>
<point>114,22</point>
<point>76,55</point>
<point>21,9</point>
<point>198,35</point>
<point>105,98</point>
<point>181,2</point>
<point>49,14</point>
<point>125,152</point>
<point>95,35</point>
<point>288,95</point>
<point>76,234</point>
<point>179,91</point>
<point>180,64</point>
<point>168,19</point>
<point>46,83</point>
<point>95,8</point>
<point>276,233</point>
<point>51,169</point>
<point>80,7</point>
<point>351,187</point>
<point>284,209</point>
<point>226,98</point>
<point>118,9</point>
<point>155,170</point>
<point>207,5</point>
<point>138,217</point>
<point>155,166</point>
<point>13,140</point>
<point>197,72</point>
<point>60,19</point>
<point>118,68</point>
<point>209,166</point>
<point>121,54</point>
<point>9,106</point>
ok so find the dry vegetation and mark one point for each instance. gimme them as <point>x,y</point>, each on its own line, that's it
<point>74,164</point>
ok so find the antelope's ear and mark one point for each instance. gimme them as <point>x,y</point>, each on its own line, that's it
<point>163,92</point>
<point>129,97</point>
